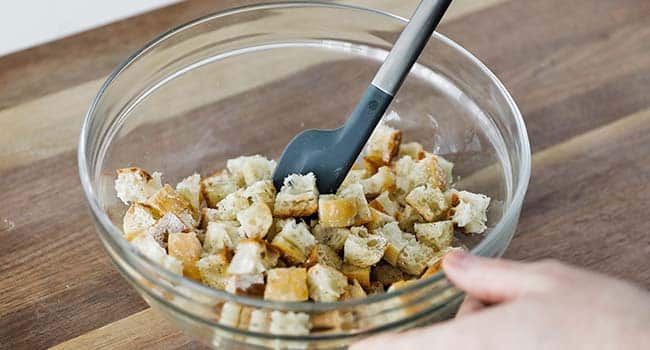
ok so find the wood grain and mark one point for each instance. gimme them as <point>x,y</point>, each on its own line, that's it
<point>580,71</point>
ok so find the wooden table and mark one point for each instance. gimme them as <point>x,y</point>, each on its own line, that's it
<point>580,71</point>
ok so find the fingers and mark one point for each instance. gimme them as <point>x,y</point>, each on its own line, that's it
<point>469,306</point>
<point>435,337</point>
<point>492,280</point>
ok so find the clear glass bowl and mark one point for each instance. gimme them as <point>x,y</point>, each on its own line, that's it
<point>245,81</point>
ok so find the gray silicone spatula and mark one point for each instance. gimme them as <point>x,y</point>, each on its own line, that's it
<point>330,154</point>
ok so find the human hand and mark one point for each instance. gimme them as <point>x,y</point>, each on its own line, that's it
<point>540,305</point>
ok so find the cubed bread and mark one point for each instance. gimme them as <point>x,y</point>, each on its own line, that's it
<point>437,235</point>
<point>136,185</point>
<point>335,211</point>
<point>148,247</point>
<point>383,180</point>
<point>253,256</point>
<point>414,257</point>
<point>359,231</point>
<point>289,323</point>
<point>255,221</point>
<point>375,287</point>
<point>298,196</point>
<point>261,192</point>
<point>471,211</point>
<point>333,237</point>
<point>387,274</point>
<point>385,204</point>
<point>354,177</point>
<point>447,168</point>
<point>217,186</point>
<point>364,251</point>
<point>208,215</point>
<point>323,254</point>
<point>326,284</point>
<point>427,172</point>
<point>167,200</point>
<point>250,169</point>
<point>353,291</point>
<point>408,217</point>
<point>412,149</point>
<point>167,224</point>
<point>213,269</point>
<point>428,201</point>
<point>139,217</point>
<point>379,219</point>
<point>221,235</point>
<point>230,312</point>
<point>383,145</point>
<point>355,191</point>
<point>396,240</point>
<point>259,321</point>
<point>190,189</point>
<point>369,166</point>
<point>185,247</point>
<point>294,241</point>
<point>287,284</point>
<point>245,284</point>
<point>361,274</point>
<point>403,168</point>
<point>235,202</point>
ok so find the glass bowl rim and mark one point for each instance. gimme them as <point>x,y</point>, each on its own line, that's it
<point>113,234</point>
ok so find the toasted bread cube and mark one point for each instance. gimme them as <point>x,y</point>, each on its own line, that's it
<point>167,224</point>
<point>403,168</point>
<point>245,284</point>
<point>250,169</point>
<point>427,172</point>
<point>412,149</point>
<point>208,215</point>
<point>385,204</point>
<point>359,231</point>
<point>379,219</point>
<point>221,235</point>
<point>408,217</point>
<point>437,235</point>
<point>361,274</point>
<point>139,217</point>
<point>185,247</point>
<point>255,220</point>
<point>259,321</point>
<point>287,284</point>
<point>471,211</point>
<point>323,254</point>
<point>136,185</point>
<point>355,191</point>
<point>253,256</point>
<point>354,176</point>
<point>353,291</point>
<point>298,196</point>
<point>326,284</point>
<point>289,323</point>
<point>261,192</point>
<point>333,237</point>
<point>387,274</point>
<point>383,145</point>
<point>369,166</point>
<point>230,314</point>
<point>434,265</point>
<point>190,189</point>
<point>167,200</point>
<point>335,211</point>
<point>428,201</point>
<point>414,257</point>
<point>396,240</point>
<point>217,186</point>
<point>235,202</point>
<point>295,242</point>
<point>364,251</point>
<point>382,180</point>
<point>375,287</point>
<point>447,168</point>
<point>213,269</point>
<point>148,246</point>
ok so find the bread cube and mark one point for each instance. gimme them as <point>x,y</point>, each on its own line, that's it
<point>148,247</point>
<point>139,217</point>
<point>412,149</point>
<point>383,145</point>
<point>355,191</point>
<point>387,274</point>
<point>287,284</point>
<point>414,257</point>
<point>213,269</point>
<point>333,237</point>
<point>221,235</point>
<point>427,172</point>
<point>326,284</point>
<point>253,256</point>
<point>289,323</point>
<point>385,204</point>
<point>136,185</point>
<point>471,211</point>
<point>361,274</point>
<point>353,291</point>
<point>255,220</point>
<point>428,201</point>
<point>323,254</point>
<point>250,169</point>
<point>259,321</point>
<point>364,251</point>
<point>447,168</point>
<point>167,224</point>
<point>375,287</point>
<point>298,196</point>
<point>396,240</point>
<point>208,215</point>
<point>167,200</point>
<point>335,211</point>
<point>408,217</point>
<point>235,202</point>
<point>379,219</point>
<point>294,241</point>
<point>354,177</point>
<point>382,180</point>
<point>261,192</point>
<point>217,186</point>
<point>230,313</point>
<point>437,235</point>
<point>190,189</point>
<point>185,247</point>
<point>245,284</point>
<point>369,166</point>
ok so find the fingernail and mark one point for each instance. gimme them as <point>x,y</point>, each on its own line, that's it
<point>458,259</point>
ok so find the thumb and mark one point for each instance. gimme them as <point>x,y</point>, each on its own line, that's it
<point>492,280</point>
